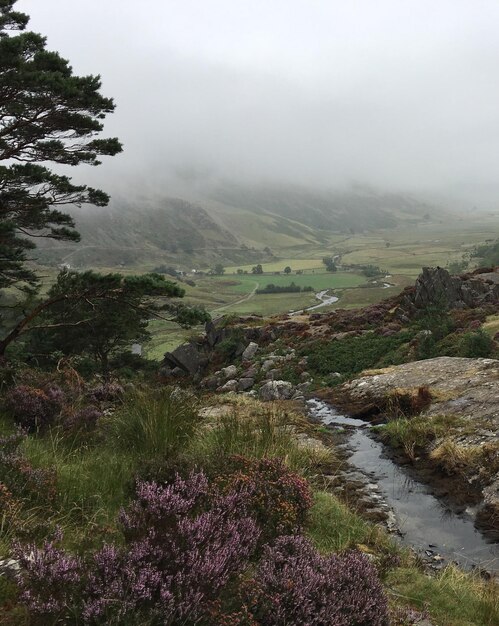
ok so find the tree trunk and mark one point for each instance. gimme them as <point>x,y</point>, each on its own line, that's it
<point>20,327</point>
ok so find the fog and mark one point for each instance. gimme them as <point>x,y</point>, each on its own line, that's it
<point>399,95</point>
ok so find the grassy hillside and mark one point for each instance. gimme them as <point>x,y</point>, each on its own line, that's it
<point>230,224</point>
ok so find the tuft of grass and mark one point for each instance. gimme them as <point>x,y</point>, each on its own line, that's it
<point>155,423</point>
<point>250,429</point>
<point>452,597</point>
<point>417,432</point>
<point>92,483</point>
<point>454,458</point>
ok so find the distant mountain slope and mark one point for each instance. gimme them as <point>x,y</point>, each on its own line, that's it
<point>355,210</point>
<point>228,223</point>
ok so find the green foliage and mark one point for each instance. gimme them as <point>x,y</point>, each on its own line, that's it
<point>99,315</point>
<point>333,527</point>
<point>257,269</point>
<point>155,423</point>
<point>291,288</point>
<point>47,115</point>
<point>488,253</point>
<point>287,270</point>
<point>330,264</point>
<point>476,344</point>
<point>354,354</point>
<point>457,267</point>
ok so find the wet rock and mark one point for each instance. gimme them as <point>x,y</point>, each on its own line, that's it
<point>250,351</point>
<point>276,390</point>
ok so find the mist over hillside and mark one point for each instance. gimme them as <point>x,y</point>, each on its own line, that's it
<point>230,223</point>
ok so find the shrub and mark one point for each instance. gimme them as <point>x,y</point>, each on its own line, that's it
<point>354,354</point>
<point>83,420</point>
<point>107,392</point>
<point>476,344</point>
<point>33,408</point>
<point>295,585</point>
<point>184,544</point>
<point>155,423</point>
<point>275,496</point>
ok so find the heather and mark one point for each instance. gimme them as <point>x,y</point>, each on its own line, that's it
<point>151,506</point>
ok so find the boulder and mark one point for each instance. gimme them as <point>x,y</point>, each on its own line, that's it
<point>229,372</point>
<point>250,351</point>
<point>274,374</point>
<point>230,385</point>
<point>245,384</point>
<point>276,390</point>
<point>186,357</point>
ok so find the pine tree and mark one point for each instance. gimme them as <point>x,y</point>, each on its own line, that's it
<point>47,115</point>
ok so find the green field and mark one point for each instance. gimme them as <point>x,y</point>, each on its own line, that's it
<point>317,280</point>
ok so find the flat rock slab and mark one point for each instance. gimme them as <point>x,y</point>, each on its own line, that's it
<point>464,387</point>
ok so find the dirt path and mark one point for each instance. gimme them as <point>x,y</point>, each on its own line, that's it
<point>246,297</point>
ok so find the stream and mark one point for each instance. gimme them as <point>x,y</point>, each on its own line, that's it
<point>324,301</point>
<point>423,521</point>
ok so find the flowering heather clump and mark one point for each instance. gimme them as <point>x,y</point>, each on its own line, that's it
<point>295,585</point>
<point>84,420</point>
<point>50,580</point>
<point>34,408</point>
<point>184,545</point>
<point>107,392</point>
<point>277,498</point>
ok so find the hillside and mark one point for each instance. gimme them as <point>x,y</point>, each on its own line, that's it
<point>229,224</point>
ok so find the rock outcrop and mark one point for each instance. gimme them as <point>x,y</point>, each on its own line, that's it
<point>435,286</point>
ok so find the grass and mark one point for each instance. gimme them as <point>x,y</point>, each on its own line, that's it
<point>416,432</point>
<point>319,280</point>
<point>246,427</point>
<point>452,597</point>
<point>455,458</point>
<point>333,527</point>
<point>154,422</point>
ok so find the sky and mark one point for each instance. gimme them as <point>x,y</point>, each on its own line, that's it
<point>391,93</point>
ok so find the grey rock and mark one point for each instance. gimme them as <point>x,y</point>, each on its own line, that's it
<point>303,386</point>
<point>186,357</point>
<point>245,384</point>
<point>251,372</point>
<point>178,372</point>
<point>276,390</point>
<point>274,374</point>
<point>268,364</point>
<point>230,385</point>
<point>250,351</point>
<point>229,372</point>
<point>305,376</point>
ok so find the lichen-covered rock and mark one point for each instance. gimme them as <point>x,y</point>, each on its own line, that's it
<point>250,351</point>
<point>276,390</point>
